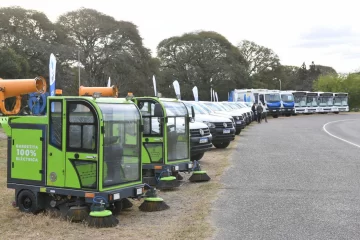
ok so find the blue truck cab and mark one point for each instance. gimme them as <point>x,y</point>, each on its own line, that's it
<point>287,103</point>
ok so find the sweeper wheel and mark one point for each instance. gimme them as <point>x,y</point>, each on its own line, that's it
<point>27,202</point>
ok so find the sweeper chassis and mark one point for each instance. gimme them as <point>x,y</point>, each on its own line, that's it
<point>72,204</point>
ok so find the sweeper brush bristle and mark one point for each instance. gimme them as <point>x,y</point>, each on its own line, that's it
<point>199,176</point>
<point>153,205</point>
<point>166,184</point>
<point>99,220</point>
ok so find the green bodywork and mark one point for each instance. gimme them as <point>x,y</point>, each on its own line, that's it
<point>166,140</point>
<point>96,146</point>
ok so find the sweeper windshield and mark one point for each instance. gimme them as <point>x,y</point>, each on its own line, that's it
<point>177,131</point>
<point>121,143</point>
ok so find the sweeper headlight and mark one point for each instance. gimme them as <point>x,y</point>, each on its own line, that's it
<point>190,165</point>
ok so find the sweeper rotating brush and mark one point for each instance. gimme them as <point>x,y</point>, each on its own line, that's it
<point>166,183</point>
<point>99,217</point>
<point>152,202</point>
<point>198,174</point>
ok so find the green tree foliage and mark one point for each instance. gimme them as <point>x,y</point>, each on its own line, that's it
<point>108,48</point>
<point>195,58</point>
<point>30,34</point>
<point>263,64</point>
<point>337,83</point>
<point>12,65</point>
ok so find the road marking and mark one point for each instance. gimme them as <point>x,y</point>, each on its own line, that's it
<point>324,128</point>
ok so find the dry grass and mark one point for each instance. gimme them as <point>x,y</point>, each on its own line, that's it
<point>187,218</point>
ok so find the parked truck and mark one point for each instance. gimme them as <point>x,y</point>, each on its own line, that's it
<point>271,99</point>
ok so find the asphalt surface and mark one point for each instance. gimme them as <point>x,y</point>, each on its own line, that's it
<point>289,179</point>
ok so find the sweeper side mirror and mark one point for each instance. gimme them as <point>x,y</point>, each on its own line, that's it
<point>158,111</point>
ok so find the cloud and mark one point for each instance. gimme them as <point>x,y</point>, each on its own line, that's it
<point>324,37</point>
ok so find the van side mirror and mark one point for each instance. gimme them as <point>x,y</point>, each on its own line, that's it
<point>158,111</point>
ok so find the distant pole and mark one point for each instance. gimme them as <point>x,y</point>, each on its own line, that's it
<point>280,84</point>
<point>79,66</point>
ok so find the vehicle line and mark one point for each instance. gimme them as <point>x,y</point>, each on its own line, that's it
<point>332,135</point>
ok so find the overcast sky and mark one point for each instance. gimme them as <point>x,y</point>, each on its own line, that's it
<point>326,32</point>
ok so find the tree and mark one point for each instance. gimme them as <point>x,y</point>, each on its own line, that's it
<point>12,65</point>
<point>33,37</point>
<point>195,58</point>
<point>260,58</point>
<point>108,48</point>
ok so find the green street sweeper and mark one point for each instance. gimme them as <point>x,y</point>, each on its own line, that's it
<point>166,139</point>
<point>76,159</point>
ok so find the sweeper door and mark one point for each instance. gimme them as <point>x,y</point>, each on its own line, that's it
<point>153,136</point>
<point>82,130</point>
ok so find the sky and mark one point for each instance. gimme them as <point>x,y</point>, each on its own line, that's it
<point>326,32</point>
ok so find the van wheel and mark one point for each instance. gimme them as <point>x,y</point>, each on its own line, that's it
<point>221,144</point>
<point>275,116</point>
<point>27,202</point>
<point>238,132</point>
<point>197,157</point>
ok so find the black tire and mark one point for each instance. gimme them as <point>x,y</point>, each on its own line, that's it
<point>27,202</point>
<point>221,144</point>
<point>197,157</point>
<point>336,112</point>
<point>287,115</point>
<point>237,132</point>
<point>275,116</point>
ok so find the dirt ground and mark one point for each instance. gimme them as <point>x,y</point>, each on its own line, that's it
<point>187,218</point>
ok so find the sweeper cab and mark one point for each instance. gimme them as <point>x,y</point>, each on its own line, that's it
<point>76,158</point>
<point>166,141</point>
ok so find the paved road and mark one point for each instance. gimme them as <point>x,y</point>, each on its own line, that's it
<point>290,180</point>
<point>347,130</point>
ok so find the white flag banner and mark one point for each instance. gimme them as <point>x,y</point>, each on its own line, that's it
<point>216,95</point>
<point>196,93</point>
<point>177,89</point>
<point>109,83</point>
<point>154,83</point>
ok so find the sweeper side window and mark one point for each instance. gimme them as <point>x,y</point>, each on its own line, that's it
<point>56,124</point>
<point>82,128</point>
<point>122,144</point>
<point>152,126</point>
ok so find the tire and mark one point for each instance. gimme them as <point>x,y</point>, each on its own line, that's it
<point>27,202</point>
<point>197,157</point>
<point>287,115</point>
<point>336,112</point>
<point>237,132</point>
<point>275,116</point>
<point>221,144</point>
